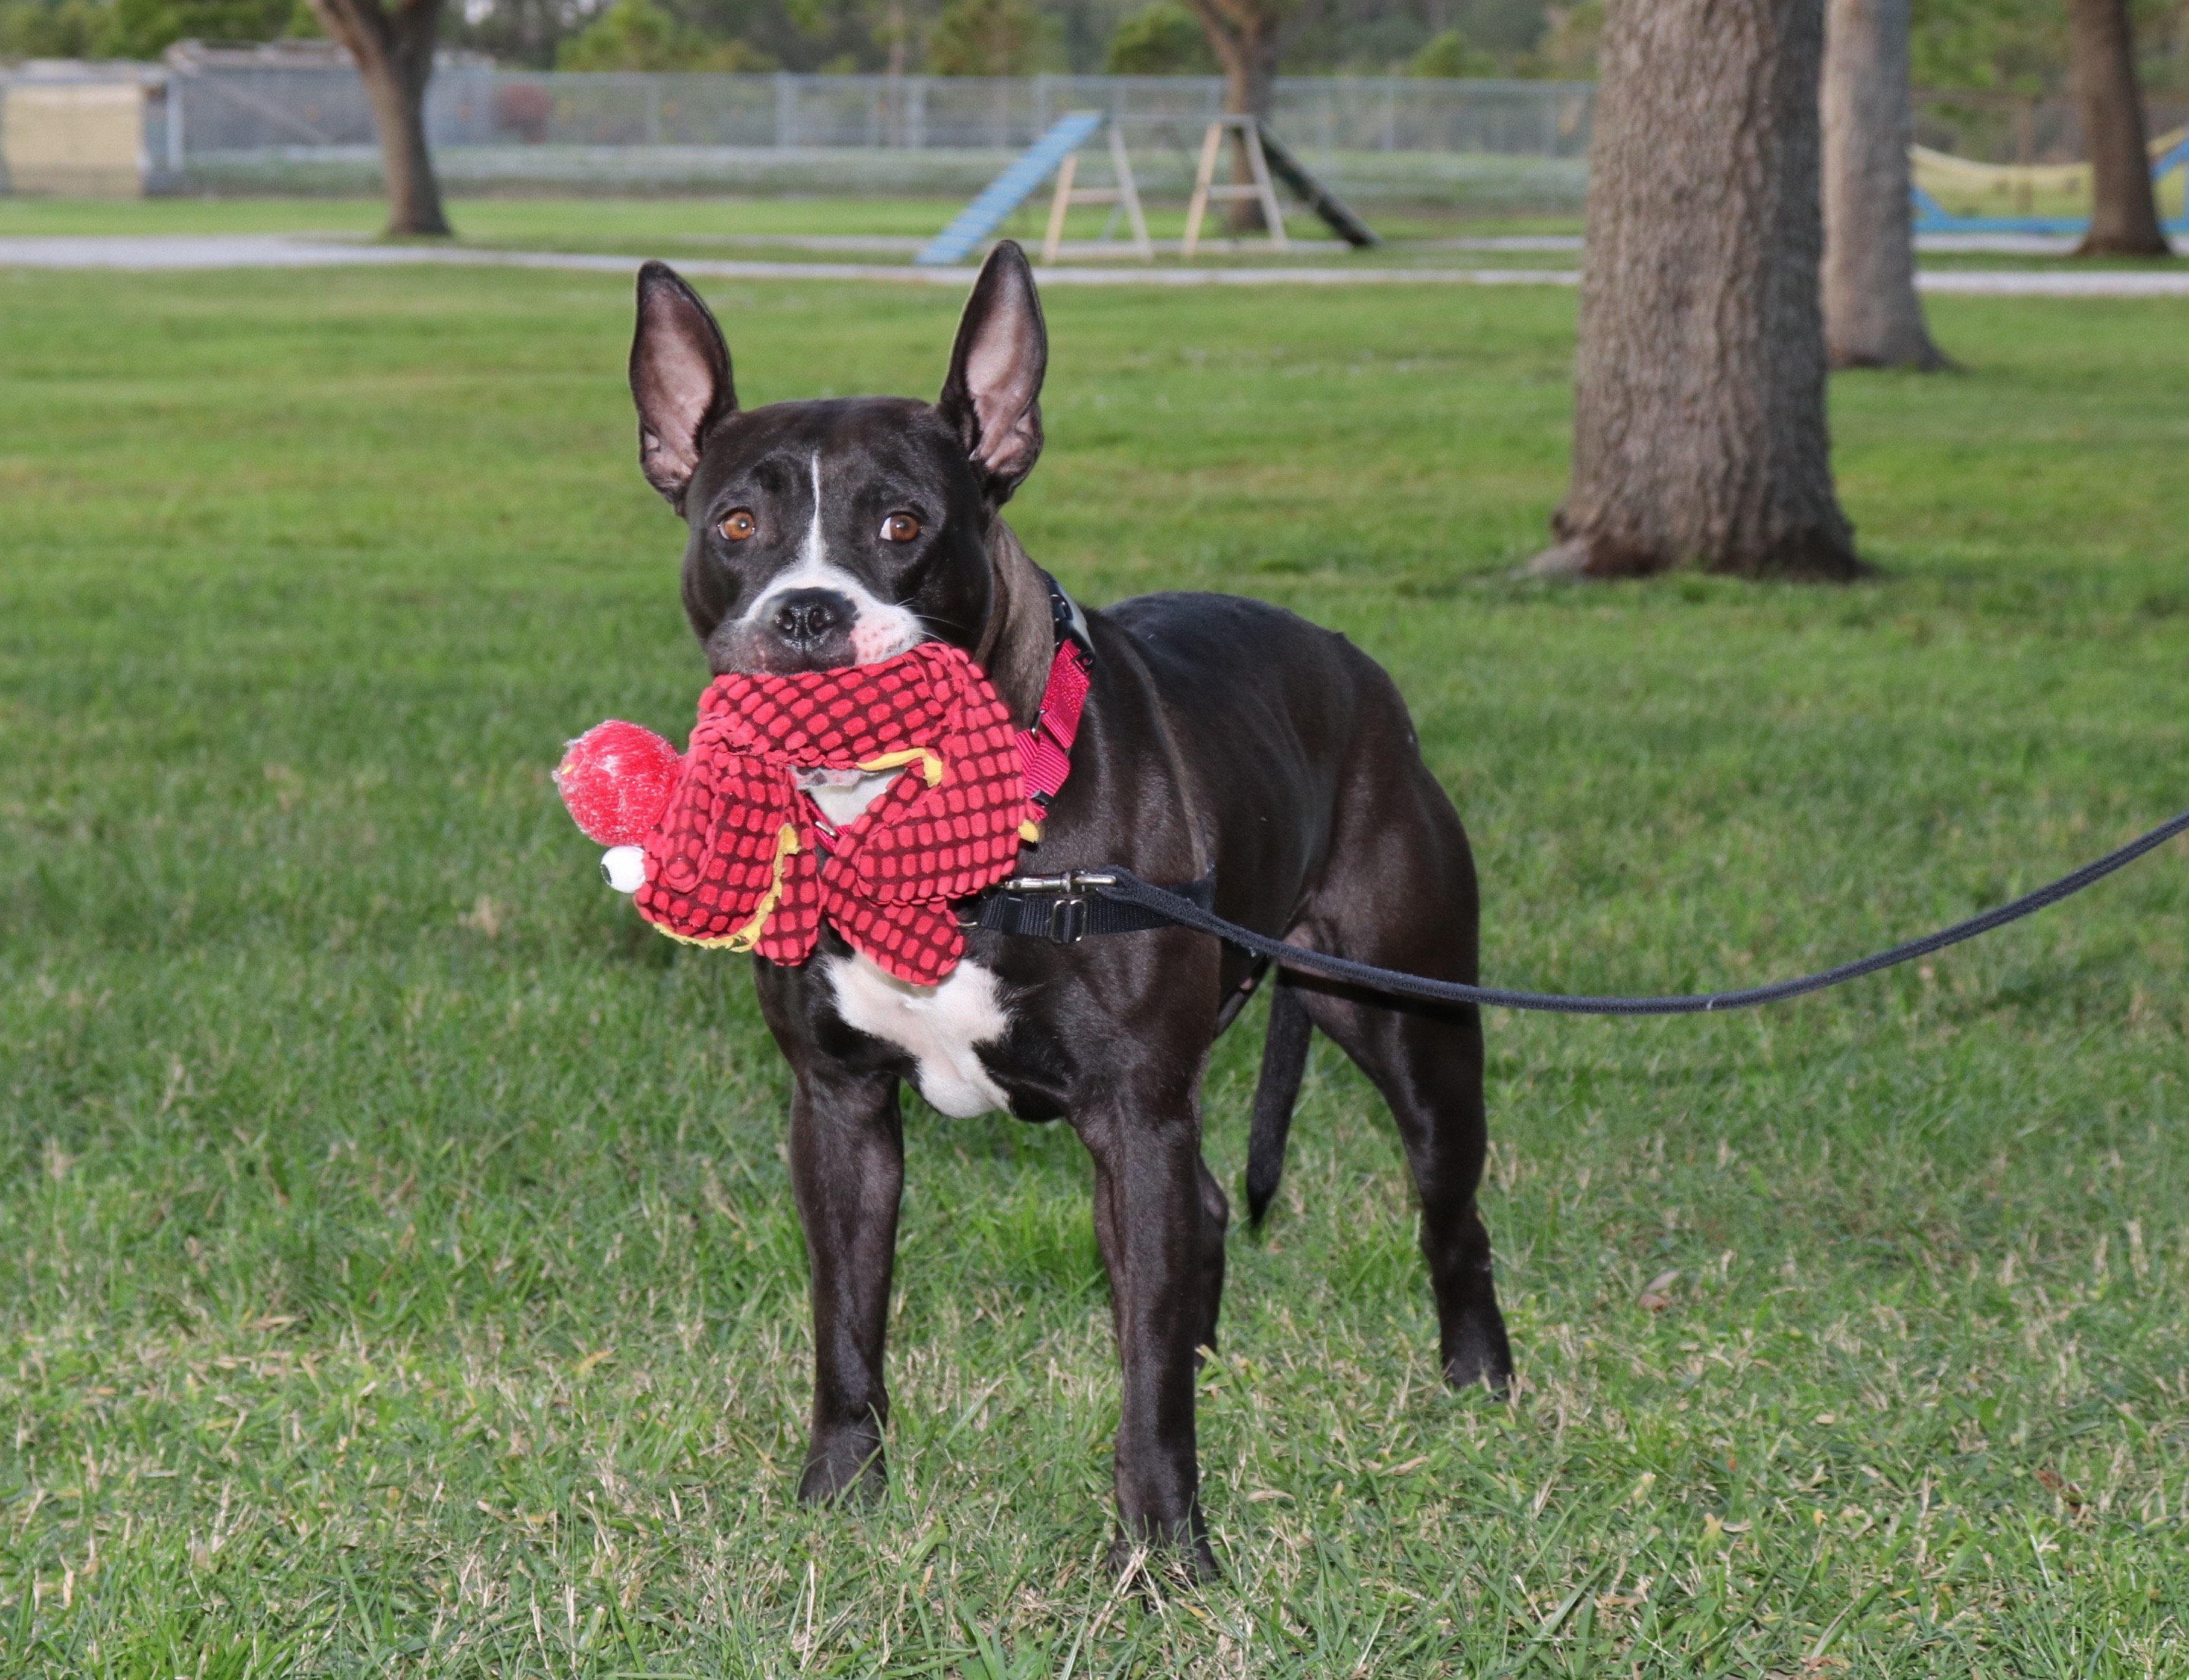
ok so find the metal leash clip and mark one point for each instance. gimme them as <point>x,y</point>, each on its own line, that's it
<point>1069,911</point>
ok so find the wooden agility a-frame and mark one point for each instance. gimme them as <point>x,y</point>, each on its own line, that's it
<point>1256,187</point>
<point>1125,195</point>
<point>1268,160</point>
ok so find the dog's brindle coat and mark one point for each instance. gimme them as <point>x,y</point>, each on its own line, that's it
<point>1222,736</point>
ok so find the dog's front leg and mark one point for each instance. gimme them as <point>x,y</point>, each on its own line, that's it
<point>847,1166</point>
<point>1148,1217</point>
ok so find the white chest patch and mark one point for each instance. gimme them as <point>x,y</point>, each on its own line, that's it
<point>936,1025</point>
<point>845,794</point>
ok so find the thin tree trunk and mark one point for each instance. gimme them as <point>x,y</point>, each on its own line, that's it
<point>1249,89</point>
<point>1872,315</point>
<point>2101,51</point>
<point>395,54</point>
<point>1248,38</point>
<point>1700,436</point>
<point>398,110</point>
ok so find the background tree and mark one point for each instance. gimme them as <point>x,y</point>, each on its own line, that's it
<point>630,35</point>
<point>1995,46</point>
<point>1248,37</point>
<point>517,32</point>
<point>1698,404</point>
<point>1568,51</point>
<point>1163,39</point>
<point>986,37</point>
<point>1553,38</point>
<point>133,29</point>
<point>393,48</point>
<point>1872,316</point>
<point>639,35</point>
<point>2124,214</point>
<point>1451,55</point>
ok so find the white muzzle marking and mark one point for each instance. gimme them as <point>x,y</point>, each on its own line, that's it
<point>881,629</point>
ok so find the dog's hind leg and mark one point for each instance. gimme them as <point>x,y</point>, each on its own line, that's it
<point>1405,900</point>
<point>1429,1070</point>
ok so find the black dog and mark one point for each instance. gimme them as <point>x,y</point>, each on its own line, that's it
<point>1223,740</point>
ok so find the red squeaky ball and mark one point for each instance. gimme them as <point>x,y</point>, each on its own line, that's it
<point>616,779</point>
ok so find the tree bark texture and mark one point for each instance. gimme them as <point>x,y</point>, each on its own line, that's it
<point>1248,37</point>
<point>1699,435</point>
<point>1872,315</point>
<point>393,48</point>
<point>2102,53</point>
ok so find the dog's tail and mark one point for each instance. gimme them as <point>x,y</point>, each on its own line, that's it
<point>1284,1060</point>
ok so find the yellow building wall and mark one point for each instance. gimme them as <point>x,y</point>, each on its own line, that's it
<point>82,139</point>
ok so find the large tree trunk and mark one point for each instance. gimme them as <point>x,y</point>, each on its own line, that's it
<point>2102,50</point>
<point>1872,315</point>
<point>395,54</point>
<point>1699,405</point>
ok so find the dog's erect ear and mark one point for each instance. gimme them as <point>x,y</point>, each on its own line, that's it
<point>992,394</point>
<point>679,377</point>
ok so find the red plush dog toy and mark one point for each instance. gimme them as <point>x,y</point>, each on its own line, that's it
<point>723,848</point>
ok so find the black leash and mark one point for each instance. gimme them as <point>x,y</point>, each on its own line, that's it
<point>1047,899</point>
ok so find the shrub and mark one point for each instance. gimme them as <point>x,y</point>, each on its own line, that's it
<point>987,38</point>
<point>1163,39</point>
<point>640,34</point>
<point>1449,55</point>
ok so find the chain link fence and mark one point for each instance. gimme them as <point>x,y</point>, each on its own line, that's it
<point>281,119</point>
<point>2023,129</point>
<point>1510,145</point>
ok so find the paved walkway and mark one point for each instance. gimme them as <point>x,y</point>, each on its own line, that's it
<point>169,252</point>
<point>2056,282</point>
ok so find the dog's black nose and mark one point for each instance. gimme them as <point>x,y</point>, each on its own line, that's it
<point>805,617</point>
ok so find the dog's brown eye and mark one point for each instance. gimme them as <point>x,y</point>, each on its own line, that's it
<point>900,527</point>
<point>737,526</point>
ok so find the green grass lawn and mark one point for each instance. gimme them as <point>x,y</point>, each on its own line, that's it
<point>530,221</point>
<point>398,1268</point>
<point>752,230</point>
<point>695,226</point>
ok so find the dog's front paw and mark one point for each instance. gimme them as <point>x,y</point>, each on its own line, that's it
<point>845,1467</point>
<point>1484,1359</point>
<point>1181,1557</point>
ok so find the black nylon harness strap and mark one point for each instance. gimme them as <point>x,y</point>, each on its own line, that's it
<point>1071,910</point>
<point>1122,886</point>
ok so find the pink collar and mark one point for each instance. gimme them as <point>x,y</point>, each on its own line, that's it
<point>1045,750</point>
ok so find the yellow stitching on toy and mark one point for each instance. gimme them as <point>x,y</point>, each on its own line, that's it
<point>929,762</point>
<point>744,938</point>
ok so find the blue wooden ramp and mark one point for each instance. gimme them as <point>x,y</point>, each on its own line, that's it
<point>1004,194</point>
<point>1934,218</point>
